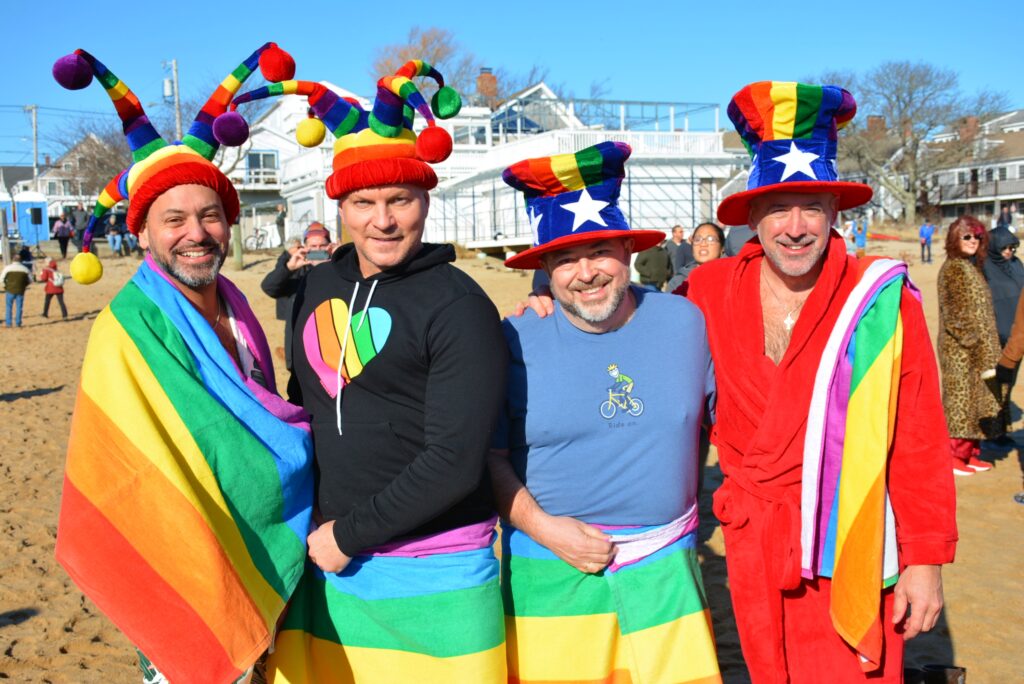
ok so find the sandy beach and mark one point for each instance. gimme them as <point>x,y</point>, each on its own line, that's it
<point>50,633</point>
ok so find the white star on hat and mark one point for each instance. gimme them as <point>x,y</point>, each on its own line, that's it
<point>796,161</point>
<point>535,225</point>
<point>586,209</point>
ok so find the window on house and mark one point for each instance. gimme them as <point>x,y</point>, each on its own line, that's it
<point>1020,172</point>
<point>66,187</point>
<point>961,178</point>
<point>51,187</point>
<point>989,174</point>
<point>261,167</point>
<point>66,166</point>
<point>1002,173</point>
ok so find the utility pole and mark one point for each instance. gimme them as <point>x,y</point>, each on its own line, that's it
<point>35,145</point>
<point>177,99</point>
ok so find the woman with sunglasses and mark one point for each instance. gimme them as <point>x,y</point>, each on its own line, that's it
<point>968,346</point>
<point>1005,275</point>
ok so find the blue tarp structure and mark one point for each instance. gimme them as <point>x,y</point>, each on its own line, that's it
<point>31,232</point>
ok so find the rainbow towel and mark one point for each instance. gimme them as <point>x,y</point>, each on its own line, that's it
<point>391,617</point>
<point>646,622</point>
<point>188,490</point>
<point>848,531</point>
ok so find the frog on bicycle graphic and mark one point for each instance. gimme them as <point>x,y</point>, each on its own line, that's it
<point>620,396</point>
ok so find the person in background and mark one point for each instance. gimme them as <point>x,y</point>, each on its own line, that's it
<point>654,267</point>
<point>1005,219</point>
<point>292,266</point>
<point>54,287</point>
<point>114,238</point>
<point>860,237</point>
<point>680,253</point>
<point>925,233</point>
<point>968,346</point>
<point>708,243</point>
<point>279,220</point>
<point>16,278</point>
<point>736,238</point>
<point>63,230</point>
<point>1009,360</point>
<point>1005,275</point>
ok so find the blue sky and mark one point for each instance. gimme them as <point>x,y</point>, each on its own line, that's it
<point>680,52</point>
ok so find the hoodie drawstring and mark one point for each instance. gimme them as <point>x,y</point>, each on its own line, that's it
<point>344,343</point>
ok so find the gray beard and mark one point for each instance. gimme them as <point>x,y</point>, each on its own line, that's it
<point>193,280</point>
<point>601,315</point>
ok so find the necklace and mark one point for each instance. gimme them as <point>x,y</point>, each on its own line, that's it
<point>216,320</point>
<point>789,321</point>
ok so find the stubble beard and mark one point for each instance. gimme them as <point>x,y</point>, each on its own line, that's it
<point>599,312</point>
<point>197,276</point>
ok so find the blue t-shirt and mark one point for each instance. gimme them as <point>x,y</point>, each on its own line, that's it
<point>926,232</point>
<point>604,427</point>
<point>860,234</point>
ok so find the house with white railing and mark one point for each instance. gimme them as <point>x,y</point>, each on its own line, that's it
<point>674,175</point>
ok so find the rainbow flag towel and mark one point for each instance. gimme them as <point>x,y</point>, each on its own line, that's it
<point>645,622</point>
<point>429,618</point>
<point>188,489</point>
<point>848,531</point>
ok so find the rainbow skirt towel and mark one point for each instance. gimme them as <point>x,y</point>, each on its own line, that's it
<point>847,529</point>
<point>432,618</point>
<point>188,489</point>
<point>645,622</point>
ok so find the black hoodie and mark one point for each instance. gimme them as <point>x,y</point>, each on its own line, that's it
<point>1005,279</point>
<point>417,415</point>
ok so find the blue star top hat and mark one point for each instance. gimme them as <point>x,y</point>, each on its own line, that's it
<point>790,130</point>
<point>572,199</point>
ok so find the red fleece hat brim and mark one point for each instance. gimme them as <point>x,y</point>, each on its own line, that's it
<point>531,258</point>
<point>371,173</point>
<point>735,209</point>
<point>196,171</point>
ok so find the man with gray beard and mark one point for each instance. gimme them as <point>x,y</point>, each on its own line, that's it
<point>596,482</point>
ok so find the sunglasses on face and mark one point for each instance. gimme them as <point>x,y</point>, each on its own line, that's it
<point>970,236</point>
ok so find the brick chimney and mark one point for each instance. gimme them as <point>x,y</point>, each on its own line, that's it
<point>876,126</point>
<point>968,128</point>
<point>46,160</point>
<point>487,87</point>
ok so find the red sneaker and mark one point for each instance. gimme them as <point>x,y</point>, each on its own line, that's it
<point>978,465</point>
<point>962,470</point>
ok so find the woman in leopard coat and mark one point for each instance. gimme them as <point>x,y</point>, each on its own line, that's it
<point>968,345</point>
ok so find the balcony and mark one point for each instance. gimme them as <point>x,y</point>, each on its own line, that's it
<point>951,194</point>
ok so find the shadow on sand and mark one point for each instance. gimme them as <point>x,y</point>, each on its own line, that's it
<point>28,394</point>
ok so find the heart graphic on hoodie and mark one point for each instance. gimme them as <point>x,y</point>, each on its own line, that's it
<point>324,334</point>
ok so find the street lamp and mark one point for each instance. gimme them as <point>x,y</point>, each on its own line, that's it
<point>171,90</point>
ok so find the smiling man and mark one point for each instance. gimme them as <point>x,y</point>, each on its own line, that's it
<point>838,504</point>
<point>189,482</point>
<point>399,358</point>
<point>595,458</point>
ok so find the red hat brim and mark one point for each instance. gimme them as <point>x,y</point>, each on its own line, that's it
<point>530,258</point>
<point>180,170</point>
<point>735,209</point>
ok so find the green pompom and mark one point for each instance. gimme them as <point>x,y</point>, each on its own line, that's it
<point>446,103</point>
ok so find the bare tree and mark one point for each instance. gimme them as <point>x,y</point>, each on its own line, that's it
<point>903,106</point>
<point>439,48</point>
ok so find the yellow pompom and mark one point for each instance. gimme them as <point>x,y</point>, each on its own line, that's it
<point>86,268</point>
<point>310,132</point>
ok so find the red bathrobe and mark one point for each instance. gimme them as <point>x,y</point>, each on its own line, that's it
<point>783,620</point>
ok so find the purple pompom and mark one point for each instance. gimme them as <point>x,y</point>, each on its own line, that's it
<point>230,129</point>
<point>72,71</point>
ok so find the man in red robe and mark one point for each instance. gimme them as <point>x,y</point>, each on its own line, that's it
<point>770,312</point>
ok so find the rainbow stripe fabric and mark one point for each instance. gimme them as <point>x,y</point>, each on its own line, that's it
<point>431,618</point>
<point>645,622</point>
<point>572,193</point>
<point>791,130</point>
<point>324,332</point>
<point>847,526</point>
<point>188,489</point>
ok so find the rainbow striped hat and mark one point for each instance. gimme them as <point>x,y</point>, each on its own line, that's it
<point>790,130</point>
<point>572,199</point>
<point>156,165</point>
<point>376,147</point>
